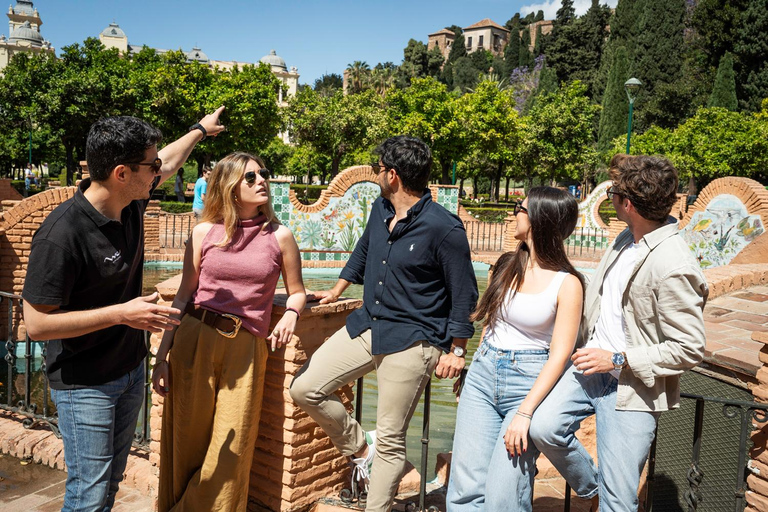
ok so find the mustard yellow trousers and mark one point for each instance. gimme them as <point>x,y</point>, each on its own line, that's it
<point>210,419</point>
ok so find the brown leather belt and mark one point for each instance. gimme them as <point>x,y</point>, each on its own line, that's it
<point>225,324</point>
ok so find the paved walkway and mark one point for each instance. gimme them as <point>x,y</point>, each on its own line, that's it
<point>29,487</point>
<point>730,321</point>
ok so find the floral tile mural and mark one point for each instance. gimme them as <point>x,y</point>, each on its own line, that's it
<point>721,231</point>
<point>338,226</point>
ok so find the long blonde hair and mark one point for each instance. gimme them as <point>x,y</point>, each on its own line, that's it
<point>220,201</point>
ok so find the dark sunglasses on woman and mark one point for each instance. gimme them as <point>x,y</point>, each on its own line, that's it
<point>250,176</point>
<point>519,208</point>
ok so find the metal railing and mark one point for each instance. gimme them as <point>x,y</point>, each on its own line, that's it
<point>355,497</point>
<point>26,369</point>
<point>485,236</point>
<point>748,414</point>
<point>586,242</point>
<point>175,230</point>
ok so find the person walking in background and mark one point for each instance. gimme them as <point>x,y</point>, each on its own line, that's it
<point>419,290</point>
<point>642,328</point>
<point>201,186</point>
<point>211,368</point>
<point>178,186</point>
<point>82,294</point>
<point>531,312</point>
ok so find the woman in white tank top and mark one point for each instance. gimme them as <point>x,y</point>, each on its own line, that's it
<point>531,312</point>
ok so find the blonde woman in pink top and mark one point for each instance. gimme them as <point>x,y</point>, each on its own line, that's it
<point>210,369</point>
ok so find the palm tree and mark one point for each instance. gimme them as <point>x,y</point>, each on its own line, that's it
<point>357,74</point>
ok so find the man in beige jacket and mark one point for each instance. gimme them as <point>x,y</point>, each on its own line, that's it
<point>642,327</point>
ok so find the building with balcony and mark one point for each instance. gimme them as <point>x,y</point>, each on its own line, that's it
<point>486,35</point>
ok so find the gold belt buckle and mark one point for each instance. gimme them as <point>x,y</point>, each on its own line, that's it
<point>234,332</point>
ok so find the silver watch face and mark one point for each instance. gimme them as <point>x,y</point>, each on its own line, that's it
<point>618,359</point>
<point>459,351</point>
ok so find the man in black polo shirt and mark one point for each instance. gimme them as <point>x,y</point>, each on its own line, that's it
<point>419,290</point>
<point>83,294</point>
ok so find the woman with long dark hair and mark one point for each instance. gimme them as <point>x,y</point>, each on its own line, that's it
<point>531,312</point>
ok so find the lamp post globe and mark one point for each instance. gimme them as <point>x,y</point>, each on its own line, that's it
<point>631,86</point>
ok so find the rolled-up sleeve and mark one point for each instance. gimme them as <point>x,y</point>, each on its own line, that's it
<point>456,261</point>
<point>680,307</point>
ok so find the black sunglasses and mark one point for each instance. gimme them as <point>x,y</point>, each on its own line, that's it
<point>250,176</point>
<point>519,208</point>
<point>156,165</point>
<point>611,192</point>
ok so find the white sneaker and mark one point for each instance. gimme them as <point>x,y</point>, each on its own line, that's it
<point>361,469</point>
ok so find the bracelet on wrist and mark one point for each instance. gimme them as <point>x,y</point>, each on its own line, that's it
<point>298,315</point>
<point>524,415</point>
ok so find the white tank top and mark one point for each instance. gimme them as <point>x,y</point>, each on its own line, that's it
<point>526,320</point>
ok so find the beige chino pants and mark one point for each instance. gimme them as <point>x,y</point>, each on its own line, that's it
<point>401,379</point>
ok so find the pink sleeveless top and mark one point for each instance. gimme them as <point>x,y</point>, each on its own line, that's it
<point>240,278</point>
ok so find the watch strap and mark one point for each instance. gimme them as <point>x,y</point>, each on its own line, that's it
<point>198,126</point>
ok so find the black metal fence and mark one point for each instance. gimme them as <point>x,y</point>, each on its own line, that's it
<point>586,242</point>
<point>175,230</point>
<point>24,387</point>
<point>746,416</point>
<point>485,236</point>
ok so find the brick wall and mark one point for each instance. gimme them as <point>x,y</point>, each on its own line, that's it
<point>8,192</point>
<point>757,480</point>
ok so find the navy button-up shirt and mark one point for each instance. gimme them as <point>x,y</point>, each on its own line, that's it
<point>418,280</point>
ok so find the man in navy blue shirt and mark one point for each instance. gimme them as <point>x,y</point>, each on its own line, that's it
<point>419,290</point>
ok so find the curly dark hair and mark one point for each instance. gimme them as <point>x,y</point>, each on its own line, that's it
<point>649,182</point>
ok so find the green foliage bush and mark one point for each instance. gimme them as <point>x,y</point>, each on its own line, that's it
<point>175,207</point>
<point>308,194</point>
<point>488,214</point>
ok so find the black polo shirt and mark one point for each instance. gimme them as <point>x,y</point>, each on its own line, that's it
<point>418,280</point>
<point>82,260</point>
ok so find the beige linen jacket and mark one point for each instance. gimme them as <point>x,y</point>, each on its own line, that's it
<point>662,306</point>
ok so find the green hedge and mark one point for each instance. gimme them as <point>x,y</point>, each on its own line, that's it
<point>488,214</point>
<point>175,207</point>
<point>308,194</point>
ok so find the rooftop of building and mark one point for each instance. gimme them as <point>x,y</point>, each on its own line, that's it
<point>485,23</point>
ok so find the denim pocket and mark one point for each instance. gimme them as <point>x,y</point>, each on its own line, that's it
<point>529,367</point>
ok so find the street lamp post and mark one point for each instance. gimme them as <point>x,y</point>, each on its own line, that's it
<point>631,86</point>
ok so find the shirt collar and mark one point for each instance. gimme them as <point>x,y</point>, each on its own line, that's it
<point>414,210</point>
<point>658,235</point>
<point>80,200</point>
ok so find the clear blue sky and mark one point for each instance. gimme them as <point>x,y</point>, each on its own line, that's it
<point>316,36</point>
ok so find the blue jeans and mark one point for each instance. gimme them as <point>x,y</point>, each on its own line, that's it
<point>483,474</point>
<point>623,438</point>
<point>97,425</point>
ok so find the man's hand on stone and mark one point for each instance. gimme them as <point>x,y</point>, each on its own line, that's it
<point>211,123</point>
<point>324,296</point>
<point>142,313</point>
<point>592,360</point>
<point>449,366</point>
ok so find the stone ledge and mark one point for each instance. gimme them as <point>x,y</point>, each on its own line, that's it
<point>41,445</point>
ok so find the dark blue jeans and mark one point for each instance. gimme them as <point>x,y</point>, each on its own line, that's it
<point>97,425</point>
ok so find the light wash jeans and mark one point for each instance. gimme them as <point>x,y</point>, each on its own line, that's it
<point>97,424</point>
<point>483,474</point>
<point>623,439</point>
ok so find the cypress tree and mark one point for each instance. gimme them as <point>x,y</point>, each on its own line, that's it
<point>750,53</point>
<point>724,91</point>
<point>659,54</point>
<point>539,16</point>
<point>565,14</point>
<point>537,44</point>
<point>526,59</point>
<point>624,24</point>
<point>613,117</point>
<point>512,51</point>
<point>458,50</point>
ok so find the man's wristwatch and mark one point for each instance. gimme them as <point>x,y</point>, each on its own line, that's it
<point>619,360</point>
<point>198,126</point>
<point>458,351</point>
